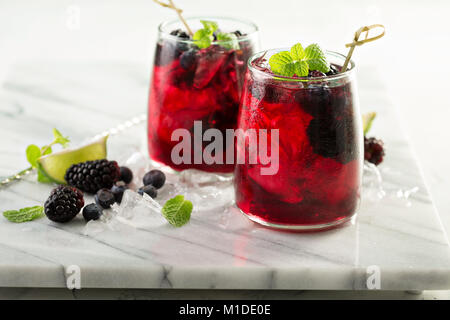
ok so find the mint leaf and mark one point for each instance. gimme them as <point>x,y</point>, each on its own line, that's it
<point>204,37</point>
<point>230,40</point>
<point>210,26</point>
<point>177,211</point>
<point>33,153</point>
<point>297,52</point>
<point>316,58</point>
<point>280,61</point>
<point>59,139</point>
<point>25,214</point>
<point>299,61</point>
<point>301,68</point>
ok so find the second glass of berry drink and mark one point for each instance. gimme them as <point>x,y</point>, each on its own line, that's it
<point>318,181</point>
<point>195,81</point>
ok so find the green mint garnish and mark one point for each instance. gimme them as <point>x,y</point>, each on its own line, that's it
<point>177,211</point>
<point>230,40</point>
<point>33,152</point>
<point>25,214</point>
<point>60,139</point>
<point>299,61</point>
<point>204,37</point>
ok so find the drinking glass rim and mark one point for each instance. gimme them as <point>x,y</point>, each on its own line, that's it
<point>337,76</point>
<point>188,18</point>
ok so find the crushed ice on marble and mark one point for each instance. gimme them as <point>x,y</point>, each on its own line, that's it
<point>207,192</point>
<point>376,188</point>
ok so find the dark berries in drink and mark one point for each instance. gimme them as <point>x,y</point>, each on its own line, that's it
<point>315,74</point>
<point>180,34</point>
<point>63,204</point>
<point>156,178</point>
<point>333,138</point>
<point>238,33</point>
<point>92,212</point>
<point>373,150</point>
<point>150,190</point>
<point>104,198</point>
<point>126,175</point>
<point>333,70</point>
<point>91,176</point>
<point>188,59</point>
<point>118,192</point>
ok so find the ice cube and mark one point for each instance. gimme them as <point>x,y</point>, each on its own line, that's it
<point>139,211</point>
<point>210,60</point>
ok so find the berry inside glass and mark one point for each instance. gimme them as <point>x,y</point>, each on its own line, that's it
<point>197,84</point>
<point>318,182</point>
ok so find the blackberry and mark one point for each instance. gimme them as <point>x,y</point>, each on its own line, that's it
<point>373,150</point>
<point>188,59</point>
<point>155,178</point>
<point>126,175</point>
<point>150,190</point>
<point>91,176</point>
<point>118,192</point>
<point>333,138</point>
<point>92,212</point>
<point>104,198</point>
<point>63,204</point>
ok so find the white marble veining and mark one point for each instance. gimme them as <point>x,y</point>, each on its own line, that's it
<point>217,249</point>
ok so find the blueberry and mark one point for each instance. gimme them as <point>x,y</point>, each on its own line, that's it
<point>180,34</point>
<point>126,175</point>
<point>181,46</point>
<point>92,212</point>
<point>104,198</point>
<point>155,178</point>
<point>118,191</point>
<point>188,59</point>
<point>333,70</point>
<point>150,190</point>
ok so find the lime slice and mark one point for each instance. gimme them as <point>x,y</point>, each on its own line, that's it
<point>55,165</point>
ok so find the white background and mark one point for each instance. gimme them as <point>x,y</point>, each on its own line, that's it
<point>412,57</point>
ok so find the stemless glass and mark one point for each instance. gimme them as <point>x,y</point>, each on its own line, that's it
<point>320,156</point>
<point>190,84</point>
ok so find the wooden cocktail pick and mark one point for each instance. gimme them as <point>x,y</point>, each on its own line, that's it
<point>357,42</point>
<point>171,5</point>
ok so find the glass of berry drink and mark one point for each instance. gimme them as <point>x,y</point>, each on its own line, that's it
<point>318,182</point>
<point>190,84</point>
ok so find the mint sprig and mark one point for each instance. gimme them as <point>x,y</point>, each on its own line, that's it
<point>299,61</point>
<point>24,214</point>
<point>33,152</point>
<point>204,37</point>
<point>177,211</point>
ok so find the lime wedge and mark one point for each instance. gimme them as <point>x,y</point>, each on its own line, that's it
<point>55,165</point>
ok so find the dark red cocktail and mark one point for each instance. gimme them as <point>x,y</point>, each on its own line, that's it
<point>319,150</point>
<point>196,84</point>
